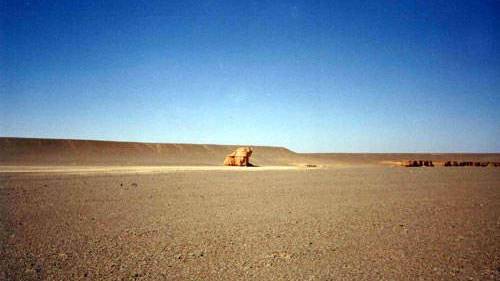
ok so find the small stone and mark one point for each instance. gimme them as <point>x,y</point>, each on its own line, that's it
<point>178,256</point>
<point>29,271</point>
<point>198,253</point>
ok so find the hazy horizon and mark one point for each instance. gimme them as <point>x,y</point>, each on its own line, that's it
<point>309,76</point>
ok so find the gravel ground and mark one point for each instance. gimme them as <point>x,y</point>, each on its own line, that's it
<point>370,223</point>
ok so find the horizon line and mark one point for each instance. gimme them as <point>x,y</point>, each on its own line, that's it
<point>223,144</point>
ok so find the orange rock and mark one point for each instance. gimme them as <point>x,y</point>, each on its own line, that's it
<point>229,161</point>
<point>240,157</point>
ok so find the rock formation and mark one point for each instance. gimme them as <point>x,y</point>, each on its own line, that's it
<point>239,157</point>
<point>418,163</point>
<point>428,163</point>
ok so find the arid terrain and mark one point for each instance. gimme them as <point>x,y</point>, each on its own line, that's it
<point>87,210</point>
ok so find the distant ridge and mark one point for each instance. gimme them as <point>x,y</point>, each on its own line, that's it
<point>38,151</point>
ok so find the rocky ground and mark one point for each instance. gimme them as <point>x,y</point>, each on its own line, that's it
<point>370,223</point>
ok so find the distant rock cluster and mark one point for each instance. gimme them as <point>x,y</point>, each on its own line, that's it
<point>470,164</point>
<point>428,163</point>
<point>418,163</point>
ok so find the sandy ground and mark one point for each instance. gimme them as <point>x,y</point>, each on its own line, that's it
<point>359,223</point>
<point>122,170</point>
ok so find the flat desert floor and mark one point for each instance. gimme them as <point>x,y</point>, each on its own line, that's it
<point>357,223</point>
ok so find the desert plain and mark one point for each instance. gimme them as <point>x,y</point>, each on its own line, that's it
<point>90,210</point>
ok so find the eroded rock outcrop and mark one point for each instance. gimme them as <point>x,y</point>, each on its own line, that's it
<point>417,163</point>
<point>239,157</point>
<point>470,164</point>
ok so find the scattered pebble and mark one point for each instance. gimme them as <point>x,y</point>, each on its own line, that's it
<point>197,254</point>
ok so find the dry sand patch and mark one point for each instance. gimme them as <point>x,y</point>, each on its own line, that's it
<point>304,224</point>
<point>85,170</point>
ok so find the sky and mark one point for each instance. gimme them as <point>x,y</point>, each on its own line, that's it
<point>312,76</point>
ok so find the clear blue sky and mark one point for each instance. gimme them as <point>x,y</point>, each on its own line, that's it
<point>326,76</point>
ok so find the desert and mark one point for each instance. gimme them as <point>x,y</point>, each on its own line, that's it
<point>92,210</point>
<point>250,140</point>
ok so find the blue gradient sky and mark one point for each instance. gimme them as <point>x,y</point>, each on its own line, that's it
<point>395,76</point>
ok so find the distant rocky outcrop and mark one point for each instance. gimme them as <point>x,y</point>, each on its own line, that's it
<point>417,163</point>
<point>428,163</point>
<point>470,164</point>
<point>239,157</point>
